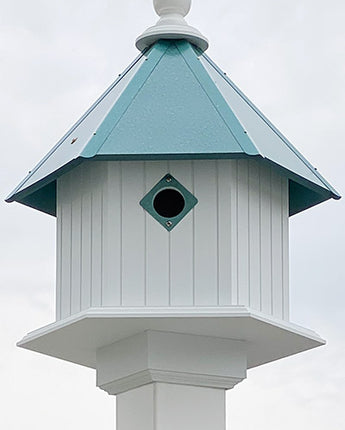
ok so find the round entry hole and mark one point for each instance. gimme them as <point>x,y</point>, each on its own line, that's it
<point>169,203</point>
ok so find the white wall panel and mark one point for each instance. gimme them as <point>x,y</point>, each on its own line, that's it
<point>243,231</point>
<point>285,245</point>
<point>233,215</point>
<point>76,196</point>
<point>254,235</point>
<point>277,248</point>
<point>232,248</point>
<point>265,240</point>
<point>97,181</point>
<point>86,244</point>
<point>157,239</point>
<point>133,235</point>
<point>58,256</point>
<point>205,233</point>
<point>182,244</point>
<point>66,245</point>
<point>224,210</point>
<point>111,274</point>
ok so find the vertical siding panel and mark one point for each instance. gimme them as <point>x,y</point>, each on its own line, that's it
<point>285,245</point>
<point>181,244</point>
<point>231,249</point>
<point>133,235</point>
<point>254,235</point>
<point>76,240</point>
<point>206,247</point>
<point>243,233</point>
<point>66,246</point>
<point>86,265</point>
<point>233,170</point>
<point>224,232</point>
<point>111,294</point>
<point>105,267</point>
<point>157,243</point>
<point>277,255</point>
<point>58,250</point>
<point>96,233</point>
<point>265,239</point>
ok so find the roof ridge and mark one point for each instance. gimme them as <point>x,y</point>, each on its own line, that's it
<point>212,91</point>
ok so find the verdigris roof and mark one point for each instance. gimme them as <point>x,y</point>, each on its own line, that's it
<point>173,102</point>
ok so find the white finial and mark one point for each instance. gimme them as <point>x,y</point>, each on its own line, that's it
<point>171,25</point>
<point>167,7</point>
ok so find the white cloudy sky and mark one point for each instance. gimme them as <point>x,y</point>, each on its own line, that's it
<point>56,57</point>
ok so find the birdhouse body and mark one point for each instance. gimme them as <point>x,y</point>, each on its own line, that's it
<point>232,249</point>
<point>172,195</point>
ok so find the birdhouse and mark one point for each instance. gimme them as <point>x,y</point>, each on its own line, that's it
<point>172,196</point>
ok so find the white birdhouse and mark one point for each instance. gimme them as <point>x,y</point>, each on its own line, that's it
<point>172,195</point>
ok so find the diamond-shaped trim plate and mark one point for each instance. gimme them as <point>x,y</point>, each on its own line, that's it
<point>168,182</point>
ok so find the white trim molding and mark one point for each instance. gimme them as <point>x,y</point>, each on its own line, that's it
<point>155,356</point>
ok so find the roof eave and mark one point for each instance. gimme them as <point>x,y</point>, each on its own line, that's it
<point>303,193</point>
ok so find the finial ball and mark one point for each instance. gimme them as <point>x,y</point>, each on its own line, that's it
<point>167,7</point>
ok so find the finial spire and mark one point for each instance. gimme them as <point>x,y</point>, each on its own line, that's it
<point>171,25</point>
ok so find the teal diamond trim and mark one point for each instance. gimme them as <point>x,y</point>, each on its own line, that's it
<point>169,183</point>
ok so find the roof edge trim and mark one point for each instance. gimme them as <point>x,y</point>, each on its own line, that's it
<point>71,130</point>
<point>24,196</point>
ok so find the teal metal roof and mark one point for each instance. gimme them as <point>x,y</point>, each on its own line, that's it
<point>173,102</point>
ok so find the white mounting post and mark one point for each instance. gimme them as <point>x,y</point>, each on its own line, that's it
<point>168,381</point>
<point>171,25</point>
<point>160,406</point>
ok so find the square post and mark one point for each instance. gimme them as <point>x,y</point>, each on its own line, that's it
<point>161,406</point>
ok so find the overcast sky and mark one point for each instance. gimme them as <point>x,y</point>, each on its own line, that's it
<point>56,58</point>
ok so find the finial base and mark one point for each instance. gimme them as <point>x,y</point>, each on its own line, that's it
<point>155,33</point>
<point>171,25</point>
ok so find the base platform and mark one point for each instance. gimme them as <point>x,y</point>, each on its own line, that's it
<point>77,338</point>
